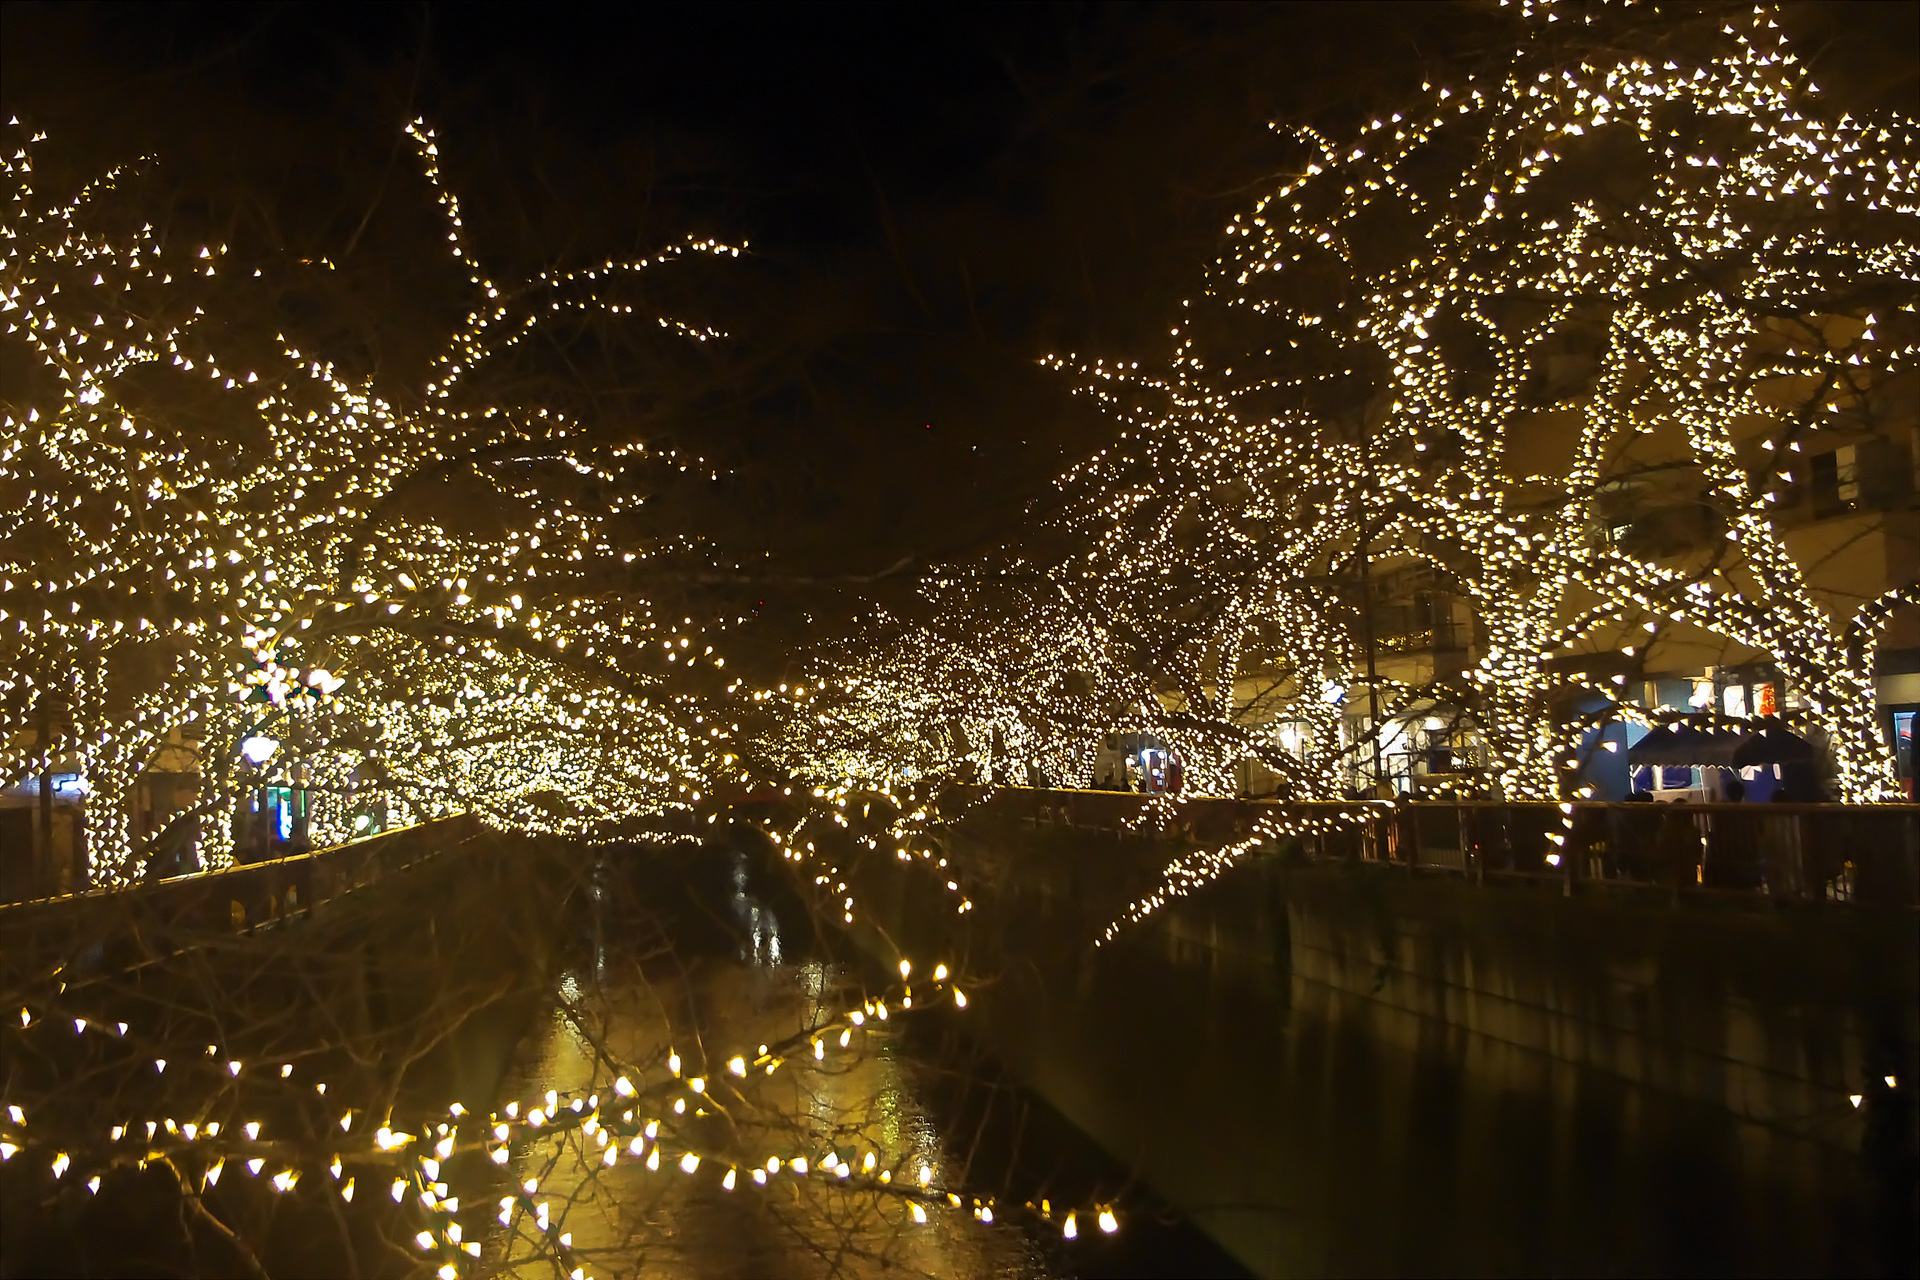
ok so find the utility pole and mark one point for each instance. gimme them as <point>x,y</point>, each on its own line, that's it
<point>1366,597</point>
<point>43,869</point>
<point>1366,640</point>
<point>43,863</point>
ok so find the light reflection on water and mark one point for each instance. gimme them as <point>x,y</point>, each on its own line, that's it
<point>628,1220</point>
<point>759,923</point>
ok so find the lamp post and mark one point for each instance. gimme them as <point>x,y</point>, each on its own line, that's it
<point>256,749</point>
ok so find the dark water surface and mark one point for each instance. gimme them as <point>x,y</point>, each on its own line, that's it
<point>1244,1114</point>
<point>1319,1127</point>
<point>744,969</point>
<point>622,957</point>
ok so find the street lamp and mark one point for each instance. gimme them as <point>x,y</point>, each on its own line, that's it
<point>258,748</point>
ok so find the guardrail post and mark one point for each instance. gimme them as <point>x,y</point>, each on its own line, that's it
<point>1479,855</point>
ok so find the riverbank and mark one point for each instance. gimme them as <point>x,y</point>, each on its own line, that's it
<point>1358,1070</point>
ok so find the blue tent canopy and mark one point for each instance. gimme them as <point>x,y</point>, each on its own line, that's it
<point>1684,744</point>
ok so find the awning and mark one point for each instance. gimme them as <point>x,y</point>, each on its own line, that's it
<point>1683,744</point>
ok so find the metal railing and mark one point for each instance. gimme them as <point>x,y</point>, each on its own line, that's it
<point>105,930</point>
<point>1819,852</point>
<point>1829,852</point>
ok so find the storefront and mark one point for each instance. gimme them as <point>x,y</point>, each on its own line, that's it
<point>1684,762</point>
<point>1138,762</point>
<point>1897,693</point>
<point>43,851</point>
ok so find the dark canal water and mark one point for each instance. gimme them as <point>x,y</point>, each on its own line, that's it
<point>1243,1113</point>
<point>551,971</point>
<point>1337,1074</point>
<point>745,967</point>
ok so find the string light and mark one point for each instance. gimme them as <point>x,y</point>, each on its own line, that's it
<point>242,557</point>
<point>417,1163</point>
<point>1466,337</point>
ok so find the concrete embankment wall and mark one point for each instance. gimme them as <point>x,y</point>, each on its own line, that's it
<point>1351,1069</point>
<point>1772,1015</point>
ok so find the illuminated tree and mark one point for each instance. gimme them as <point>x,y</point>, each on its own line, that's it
<point>405,604</point>
<point>1473,330</point>
<point>433,602</point>
<point>1025,664</point>
<point>948,697</point>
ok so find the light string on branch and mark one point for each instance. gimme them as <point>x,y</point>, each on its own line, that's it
<point>1561,339</point>
<point>1196,869</point>
<point>225,547</point>
<point>411,1161</point>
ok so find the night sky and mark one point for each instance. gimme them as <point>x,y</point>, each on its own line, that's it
<point>936,195</point>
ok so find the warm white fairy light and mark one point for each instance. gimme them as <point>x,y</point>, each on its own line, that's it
<point>1665,273</point>
<point>413,1159</point>
<point>269,585</point>
<point>1510,240</point>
